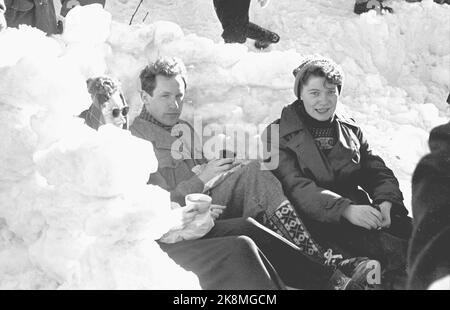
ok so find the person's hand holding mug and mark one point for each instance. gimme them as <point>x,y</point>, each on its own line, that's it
<point>195,204</point>
<point>182,216</point>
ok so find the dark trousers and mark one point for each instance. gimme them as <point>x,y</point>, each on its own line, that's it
<point>295,268</point>
<point>225,263</point>
<point>221,259</point>
<point>233,15</point>
<point>389,246</point>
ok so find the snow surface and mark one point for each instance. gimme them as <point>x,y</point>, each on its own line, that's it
<point>75,212</point>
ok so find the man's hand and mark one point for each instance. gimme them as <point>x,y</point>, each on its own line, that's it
<point>214,168</point>
<point>184,215</point>
<point>263,3</point>
<point>385,208</point>
<point>216,211</point>
<point>364,216</point>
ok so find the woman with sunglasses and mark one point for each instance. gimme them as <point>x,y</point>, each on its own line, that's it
<point>108,104</point>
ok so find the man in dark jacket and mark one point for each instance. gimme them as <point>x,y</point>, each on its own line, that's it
<point>429,252</point>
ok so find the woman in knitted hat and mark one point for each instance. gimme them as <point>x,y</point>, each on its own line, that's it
<point>108,104</point>
<point>324,160</point>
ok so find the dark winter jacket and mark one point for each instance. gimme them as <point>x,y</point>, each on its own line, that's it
<point>36,13</point>
<point>323,186</point>
<point>429,248</point>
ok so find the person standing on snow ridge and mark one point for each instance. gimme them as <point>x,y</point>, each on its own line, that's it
<point>39,13</point>
<point>35,13</point>
<point>437,1</point>
<point>67,5</point>
<point>363,6</point>
<point>233,15</point>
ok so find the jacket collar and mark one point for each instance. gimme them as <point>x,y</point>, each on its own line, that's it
<point>290,122</point>
<point>302,142</point>
<point>159,136</point>
<point>163,139</point>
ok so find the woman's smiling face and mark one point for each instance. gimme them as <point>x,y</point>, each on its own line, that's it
<point>319,97</point>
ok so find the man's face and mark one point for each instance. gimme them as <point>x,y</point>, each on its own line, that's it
<point>166,103</point>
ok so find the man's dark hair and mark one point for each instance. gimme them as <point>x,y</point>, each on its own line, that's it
<point>165,66</point>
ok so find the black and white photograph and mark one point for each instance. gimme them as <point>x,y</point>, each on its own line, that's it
<point>240,147</point>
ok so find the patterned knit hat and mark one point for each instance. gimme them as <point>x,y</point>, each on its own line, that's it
<point>333,72</point>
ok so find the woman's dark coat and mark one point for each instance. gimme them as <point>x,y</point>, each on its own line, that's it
<point>323,186</point>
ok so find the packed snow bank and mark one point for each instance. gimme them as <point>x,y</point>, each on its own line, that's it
<point>63,226</point>
<point>76,212</point>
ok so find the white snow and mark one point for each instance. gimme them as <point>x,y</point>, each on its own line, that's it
<point>75,211</point>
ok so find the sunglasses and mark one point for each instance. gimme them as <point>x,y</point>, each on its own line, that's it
<point>116,112</point>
